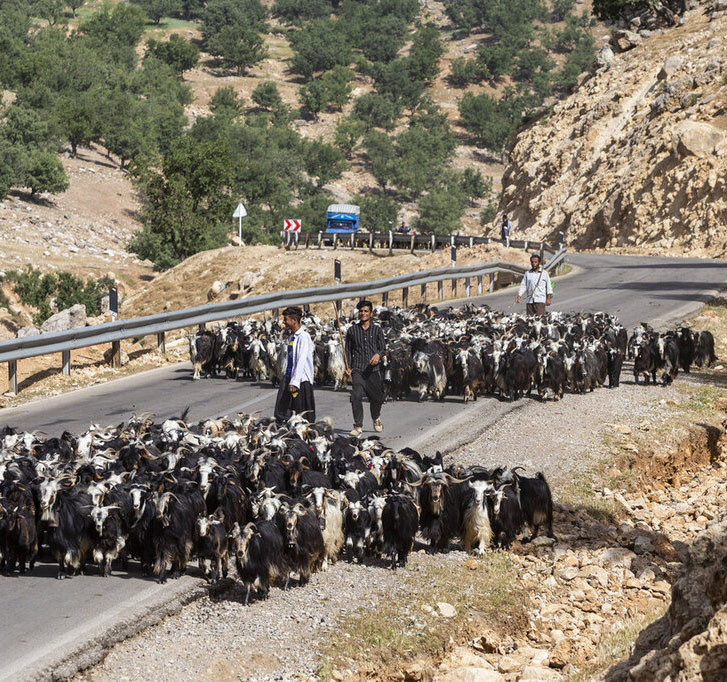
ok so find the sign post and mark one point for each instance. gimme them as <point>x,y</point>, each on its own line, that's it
<point>337,277</point>
<point>113,302</point>
<point>454,265</point>
<point>239,213</point>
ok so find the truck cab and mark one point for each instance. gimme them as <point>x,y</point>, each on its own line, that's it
<point>342,219</point>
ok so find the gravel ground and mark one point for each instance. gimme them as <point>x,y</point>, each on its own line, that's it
<point>221,639</point>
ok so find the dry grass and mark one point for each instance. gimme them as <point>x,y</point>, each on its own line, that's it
<point>405,626</point>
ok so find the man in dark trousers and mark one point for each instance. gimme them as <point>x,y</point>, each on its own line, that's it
<point>365,346</point>
<point>296,389</point>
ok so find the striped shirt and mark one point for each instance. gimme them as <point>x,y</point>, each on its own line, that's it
<point>362,344</point>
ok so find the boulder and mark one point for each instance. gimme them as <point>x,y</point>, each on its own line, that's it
<point>215,290</point>
<point>27,331</point>
<point>696,138</point>
<point>605,57</point>
<point>624,40</point>
<point>70,318</point>
<point>671,66</point>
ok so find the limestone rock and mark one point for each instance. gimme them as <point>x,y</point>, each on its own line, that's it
<point>70,318</point>
<point>671,66</point>
<point>694,138</point>
<point>605,56</point>
<point>446,610</point>
<point>27,331</point>
<point>215,290</point>
<point>624,40</point>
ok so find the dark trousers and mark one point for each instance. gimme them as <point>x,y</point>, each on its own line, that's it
<point>304,403</point>
<point>535,308</point>
<point>368,383</point>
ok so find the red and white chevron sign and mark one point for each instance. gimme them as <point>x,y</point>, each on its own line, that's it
<point>291,225</point>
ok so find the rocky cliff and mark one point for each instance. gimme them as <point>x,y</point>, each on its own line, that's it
<point>636,156</point>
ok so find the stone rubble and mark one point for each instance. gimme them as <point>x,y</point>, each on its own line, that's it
<point>599,577</point>
<point>637,155</point>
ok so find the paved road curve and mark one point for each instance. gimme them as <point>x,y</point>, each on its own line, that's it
<point>636,289</point>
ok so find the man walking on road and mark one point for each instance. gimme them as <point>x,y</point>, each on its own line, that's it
<point>296,389</point>
<point>505,229</point>
<point>365,347</point>
<point>536,287</point>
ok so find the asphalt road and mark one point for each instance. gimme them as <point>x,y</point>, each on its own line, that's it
<point>44,618</point>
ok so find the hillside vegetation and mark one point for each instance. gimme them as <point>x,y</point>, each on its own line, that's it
<point>287,105</point>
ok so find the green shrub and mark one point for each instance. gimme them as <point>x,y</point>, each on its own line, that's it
<point>36,289</point>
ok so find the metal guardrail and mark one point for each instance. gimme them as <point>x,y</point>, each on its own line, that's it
<point>394,240</point>
<point>114,332</point>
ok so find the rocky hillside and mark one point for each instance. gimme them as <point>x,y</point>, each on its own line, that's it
<point>637,156</point>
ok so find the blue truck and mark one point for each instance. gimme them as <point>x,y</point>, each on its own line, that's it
<point>342,219</point>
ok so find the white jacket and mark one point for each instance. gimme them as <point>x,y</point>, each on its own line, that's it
<point>535,287</point>
<point>302,358</point>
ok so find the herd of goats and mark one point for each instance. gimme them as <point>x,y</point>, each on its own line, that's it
<point>468,352</point>
<point>282,500</point>
<point>277,499</point>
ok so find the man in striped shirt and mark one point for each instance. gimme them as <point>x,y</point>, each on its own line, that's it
<point>365,347</point>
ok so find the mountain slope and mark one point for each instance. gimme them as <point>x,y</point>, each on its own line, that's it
<point>637,155</point>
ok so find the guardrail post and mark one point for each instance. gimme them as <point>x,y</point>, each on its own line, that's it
<point>275,314</point>
<point>440,290</point>
<point>282,237</point>
<point>413,239</point>
<point>385,298</point>
<point>561,239</point>
<point>162,342</point>
<point>405,297</point>
<point>371,241</point>
<point>320,240</point>
<point>352,241</point>
<point>472,242</point>
<point>467,287</point>
<point>391,243</point>
<point>479,285</point>
<point>525,246</point>
<point>297,237</point>
<point>489,240</point>
<point>335,242</point>
<point>13,377</point>
<point>454,287</point>
<point>116,354</point>
<point>66,362</point>
<point>492,282</point>
<point>338,306</point>
<point>423,292</point>
<point>434,243</point>
<point>542,251</point>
